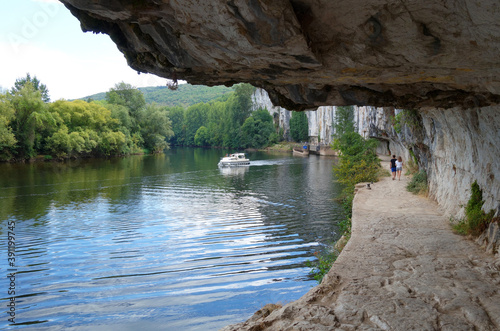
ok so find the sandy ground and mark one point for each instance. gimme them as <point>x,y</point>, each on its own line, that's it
<point>403,269</point>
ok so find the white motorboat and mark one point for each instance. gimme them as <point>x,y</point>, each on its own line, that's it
<point>234,160</point>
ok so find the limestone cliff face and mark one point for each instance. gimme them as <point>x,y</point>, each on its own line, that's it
<point>463,147</point>
<point>309,53</point>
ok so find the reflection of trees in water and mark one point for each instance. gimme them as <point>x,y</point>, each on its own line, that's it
<point>29,190</point>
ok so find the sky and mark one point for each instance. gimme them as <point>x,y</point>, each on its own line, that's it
<point>43,38</point>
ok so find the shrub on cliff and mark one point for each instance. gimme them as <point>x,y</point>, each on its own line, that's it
<point>476,220</point>
<point>358,161</point>
<point>418,183</point>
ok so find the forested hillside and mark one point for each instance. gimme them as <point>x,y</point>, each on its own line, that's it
<point>185,95</point>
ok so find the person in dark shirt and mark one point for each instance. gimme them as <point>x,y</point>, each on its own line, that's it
<point>393,167</point>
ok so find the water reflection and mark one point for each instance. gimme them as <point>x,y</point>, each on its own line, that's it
<point>234,171</point>
<point>162,241</point>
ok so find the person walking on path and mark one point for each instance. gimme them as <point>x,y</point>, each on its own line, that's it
<point>399,167</point>
<point>393,167</point>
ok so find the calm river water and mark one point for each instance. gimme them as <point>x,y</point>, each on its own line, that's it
<point>166,242</point>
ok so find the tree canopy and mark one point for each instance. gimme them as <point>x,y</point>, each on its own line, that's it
<point>37,85</point>
<point>299,126</point>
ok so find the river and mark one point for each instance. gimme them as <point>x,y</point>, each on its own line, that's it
<point>163,242</point>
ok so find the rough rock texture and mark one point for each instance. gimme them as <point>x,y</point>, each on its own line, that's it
<point>402,269</point>
<point>309,53</point>
<point>490,239</point>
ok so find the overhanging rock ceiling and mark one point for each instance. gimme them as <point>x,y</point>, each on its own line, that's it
<point>306,53</point>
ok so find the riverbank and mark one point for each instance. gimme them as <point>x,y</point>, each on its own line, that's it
<point>402,269</point>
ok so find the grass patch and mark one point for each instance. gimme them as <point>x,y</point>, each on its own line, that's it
<point>283,146</point>
<point>418,183</point>
<point>476,221</point>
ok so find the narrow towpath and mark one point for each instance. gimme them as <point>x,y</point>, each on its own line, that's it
<point>403,269</point>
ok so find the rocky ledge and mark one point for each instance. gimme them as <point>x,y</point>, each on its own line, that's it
<point>402,269</point>
<point>309,53</point>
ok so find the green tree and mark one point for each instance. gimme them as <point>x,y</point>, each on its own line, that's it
<point>358,161</point>
<point>85,128</point>
<point>176,115</point>
<point>130,97</point>
<point>216,123</point>
<point>156,128</point>
<point>7,138</point>
<point>202,137</point>
<point>299,126</point>
<point>344,121</point>
<point>195,117</point>
<point>30,116</point>
<point>256,131</point>
<point>37,85</point>
<point>243,102</point>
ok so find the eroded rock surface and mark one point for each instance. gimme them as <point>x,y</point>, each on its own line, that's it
<point>403,269</point>
<point>309,53</point>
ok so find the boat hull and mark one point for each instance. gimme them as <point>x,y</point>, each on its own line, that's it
<point>300,152</point>
<point>233,163</point>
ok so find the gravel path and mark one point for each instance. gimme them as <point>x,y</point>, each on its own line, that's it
<point>403,269</point>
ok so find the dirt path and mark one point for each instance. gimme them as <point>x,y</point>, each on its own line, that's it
<point>403,269</point>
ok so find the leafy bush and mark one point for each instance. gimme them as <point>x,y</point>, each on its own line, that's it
<point>358,160</point>
<point>323,264</point>
<point>476,220</point>
<point>418,183</point>
<point>407,117</point>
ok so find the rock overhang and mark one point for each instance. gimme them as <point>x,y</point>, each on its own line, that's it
<point>305,53</point>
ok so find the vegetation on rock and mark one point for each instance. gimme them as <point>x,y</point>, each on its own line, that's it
<point>476,220</point>
<point>418,183</point>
